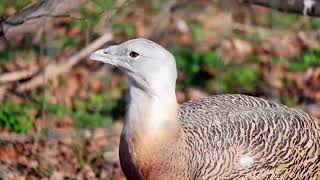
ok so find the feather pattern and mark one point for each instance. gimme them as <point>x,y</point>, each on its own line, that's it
<point>240,137</point>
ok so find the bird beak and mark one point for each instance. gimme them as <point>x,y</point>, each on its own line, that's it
<point>104,55</point>
<point>109,56</point>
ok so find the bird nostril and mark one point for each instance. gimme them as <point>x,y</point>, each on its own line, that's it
<point>105,52</point>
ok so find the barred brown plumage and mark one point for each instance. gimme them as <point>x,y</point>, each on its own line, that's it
<point>281,142</point>
<point>217,137</point>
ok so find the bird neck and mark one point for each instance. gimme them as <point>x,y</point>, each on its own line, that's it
<point>151,120</point>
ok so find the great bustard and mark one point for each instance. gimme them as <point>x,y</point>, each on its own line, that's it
<point>217,137</point>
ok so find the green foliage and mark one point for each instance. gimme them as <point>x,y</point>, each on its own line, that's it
<point>156,6</point>
<point>307,59</point>
<point>91,13</point>
<point>91,16</point>
<point>92,112</point>
<point>196,28</point>
<point>284,20</point>
<point>15,117</point>
<point>240,77</point>
<point>212,60</point>
<point>315,24</point>
<point>125,29</point>
<point>16,4</point>
<point>187,62</point>
<point>6,55</point>
<point>66,42</point>
<point>90,120</point>
<point>190,62</point>
<point>105,5</point>
<point>233,76</point>
<point>288,101</point>
<point>57,109</point>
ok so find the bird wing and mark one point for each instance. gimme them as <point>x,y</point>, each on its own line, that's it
<point>274,141</point>
<point>242,136</point>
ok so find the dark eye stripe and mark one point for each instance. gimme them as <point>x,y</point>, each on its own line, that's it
<point>133,54</point>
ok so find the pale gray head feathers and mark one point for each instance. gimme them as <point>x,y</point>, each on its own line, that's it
<point>148,66</point>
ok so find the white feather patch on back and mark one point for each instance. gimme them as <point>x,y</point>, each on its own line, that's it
<point>245,161</point>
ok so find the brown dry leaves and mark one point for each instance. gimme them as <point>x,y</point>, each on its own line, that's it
<point>308,82</point>
<point>92,156</point>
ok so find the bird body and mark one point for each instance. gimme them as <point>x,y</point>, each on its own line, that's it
<point>217,137</point>
<point>234,137</point>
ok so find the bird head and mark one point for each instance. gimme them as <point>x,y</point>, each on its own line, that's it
<point>148,65</point>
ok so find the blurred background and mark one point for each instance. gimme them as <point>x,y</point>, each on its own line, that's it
<point>61,114</point>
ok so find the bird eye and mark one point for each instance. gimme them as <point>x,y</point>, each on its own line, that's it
<point>133,54</point>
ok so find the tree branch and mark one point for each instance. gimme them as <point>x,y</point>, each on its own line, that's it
<point>306,7</point>
<point>17,75</point>
<point>54,69</point>
<point>31,18</point>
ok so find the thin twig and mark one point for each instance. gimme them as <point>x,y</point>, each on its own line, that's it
<point>29,19</point>
<point>162,20</point>
<point>38,17</point>
<point>18,75</point>
<point>54,69</point>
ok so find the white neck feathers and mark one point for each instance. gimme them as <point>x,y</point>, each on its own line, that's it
<point>151,121</point>
<point>150,113</point>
